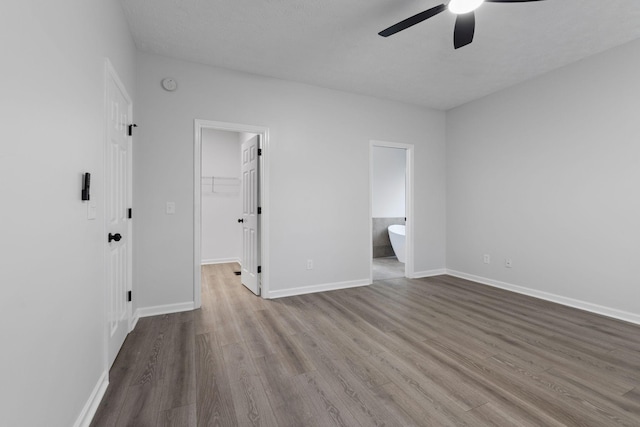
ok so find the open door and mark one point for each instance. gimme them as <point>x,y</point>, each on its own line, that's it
<point>250,220</point>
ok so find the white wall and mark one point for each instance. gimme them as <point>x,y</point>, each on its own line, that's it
<point>319,174</point>
<point>547,173</point>
<point>221,205</point>
<point>52,320</point>
<point>389,182</point>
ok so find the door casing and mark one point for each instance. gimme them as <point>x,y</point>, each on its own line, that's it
<point>199,125</point>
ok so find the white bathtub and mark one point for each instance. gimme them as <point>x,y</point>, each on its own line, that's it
<point>397,237</point>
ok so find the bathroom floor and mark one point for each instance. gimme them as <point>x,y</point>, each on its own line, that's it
<point>387,268</point>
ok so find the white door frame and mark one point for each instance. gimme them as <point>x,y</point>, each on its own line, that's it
<point>199,125</point>
<point>408,266</point>
<point>110,73</point>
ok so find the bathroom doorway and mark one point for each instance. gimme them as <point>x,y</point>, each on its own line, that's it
<point>391,207</point>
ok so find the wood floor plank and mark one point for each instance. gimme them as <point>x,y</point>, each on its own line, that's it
<point>564,319</point>
<point>422,413</point>
<point>633,396</point>
<point>360,399</point>
<point>287,320</point>
<point>286,346</point>
<point>184,416</point>
<point>562,402</point>
<point>180,372</point>
<point>437,351</point>
<point>249,397</point>
<point>322,404</point>
<point>120,377</point>
<point>542,353</point>
<point>604,393</point>
<point>455,385</point>
<point>141,407</point>
<point>214,406</point>
<point>226,329</point>
<point>435,327</point>
<point>285,402</point>
<point>579,375</point>
<point>330,310</point>
<point>150,367</point>
<point>338,345</point>
<point>421,389</point>
<point>254,337</point>
<point>497,386</point>
<point>629,360</point>
<point>494,414</point>
<point>203,318</point>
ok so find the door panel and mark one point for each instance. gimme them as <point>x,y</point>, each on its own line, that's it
<point>250,235</point>
<point>117,201</point>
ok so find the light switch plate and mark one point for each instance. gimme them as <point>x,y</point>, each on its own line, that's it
<point>171,208</point>
<point>92,209</point>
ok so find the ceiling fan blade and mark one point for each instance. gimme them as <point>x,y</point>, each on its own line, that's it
<point>464,29</point>
<point>509,1</point>
<point>415,19</point>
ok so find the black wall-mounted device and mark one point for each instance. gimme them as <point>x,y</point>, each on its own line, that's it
<point>86,184</point>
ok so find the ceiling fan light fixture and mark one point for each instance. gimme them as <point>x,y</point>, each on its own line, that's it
<point>460,7</point>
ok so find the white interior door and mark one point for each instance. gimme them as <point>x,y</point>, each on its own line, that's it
<point>250,219</point>
<point>117,202</point>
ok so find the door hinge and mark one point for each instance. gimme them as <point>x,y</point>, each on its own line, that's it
<point>129,296</point>
<point>130,213</point>
<point>259,151</point>
<point>259,210</point>
<point>131,126</point>
<point>259,269</point>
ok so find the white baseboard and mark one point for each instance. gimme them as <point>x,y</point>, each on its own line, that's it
<point>90,408</point>
<point>219,261</point>
<point>134,321</point>
<point>570,302</point>
<point>163,309</point>
<point>428,273</point>
<point>318,288</point>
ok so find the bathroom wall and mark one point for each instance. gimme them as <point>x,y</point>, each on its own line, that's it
<point>388,188</point>
<point>221,201</point>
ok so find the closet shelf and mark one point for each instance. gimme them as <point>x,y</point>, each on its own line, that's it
<point>212,185</point>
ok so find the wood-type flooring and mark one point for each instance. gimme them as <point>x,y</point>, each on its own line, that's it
<point>440,351</point>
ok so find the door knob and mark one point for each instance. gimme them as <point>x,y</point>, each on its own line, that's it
<point>241,220</point>
<point>115,237</point>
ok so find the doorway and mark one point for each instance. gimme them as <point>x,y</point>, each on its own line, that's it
<point>391,210</point>
<point>221,197</point>
<point>231,196</point>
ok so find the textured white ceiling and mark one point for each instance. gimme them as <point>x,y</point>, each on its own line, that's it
<point>334,43</point>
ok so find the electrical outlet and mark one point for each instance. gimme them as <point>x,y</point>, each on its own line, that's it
<point>309,264</point>
<point>508,263</point>
<point>487,259</point>
<point>171,208</point>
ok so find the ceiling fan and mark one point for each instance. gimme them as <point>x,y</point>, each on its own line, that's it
<point>465,22</point>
